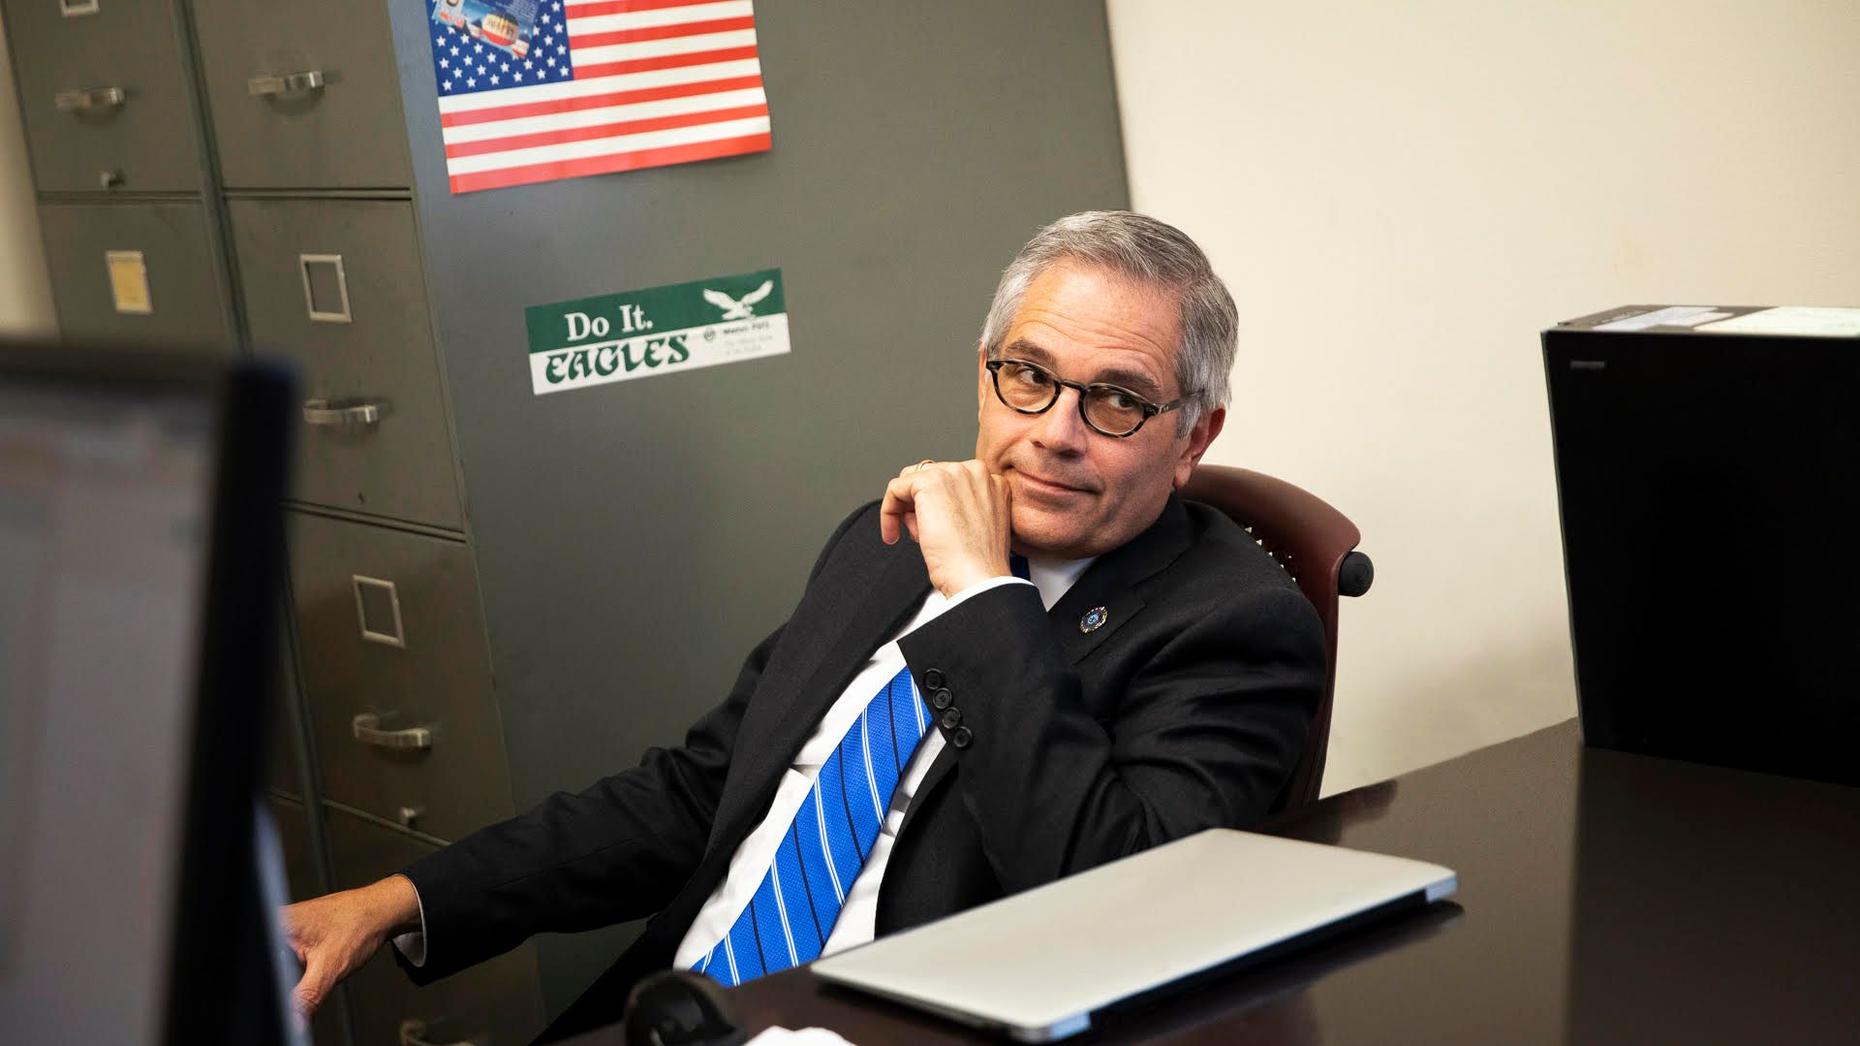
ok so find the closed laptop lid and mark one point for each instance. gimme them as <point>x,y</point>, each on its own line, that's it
<point>1038,964</point>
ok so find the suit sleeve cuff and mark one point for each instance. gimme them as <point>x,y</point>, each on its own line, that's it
<point>412,946</point>
<point>983,586</point>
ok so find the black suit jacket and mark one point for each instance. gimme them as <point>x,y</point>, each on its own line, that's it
<point>1186,709</point>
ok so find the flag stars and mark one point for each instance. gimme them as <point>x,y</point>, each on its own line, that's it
<point>465,63</point>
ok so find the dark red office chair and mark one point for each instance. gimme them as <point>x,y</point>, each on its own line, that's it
<point>1315,544</point>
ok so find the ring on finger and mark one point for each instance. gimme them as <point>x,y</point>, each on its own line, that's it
<point>924,464</point>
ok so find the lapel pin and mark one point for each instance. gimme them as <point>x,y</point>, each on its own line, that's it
<point>1094,619</point>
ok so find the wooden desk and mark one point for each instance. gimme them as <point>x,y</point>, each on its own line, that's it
<point>1603,898</point>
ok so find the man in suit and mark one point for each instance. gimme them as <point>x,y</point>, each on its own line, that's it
<point>1064,665</point>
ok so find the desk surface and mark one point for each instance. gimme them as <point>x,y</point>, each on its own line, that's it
<point>1603,898</point>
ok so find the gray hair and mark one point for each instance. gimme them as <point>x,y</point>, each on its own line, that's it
<point>1143,249</point>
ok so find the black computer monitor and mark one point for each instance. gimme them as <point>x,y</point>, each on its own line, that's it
<point>139,571</point>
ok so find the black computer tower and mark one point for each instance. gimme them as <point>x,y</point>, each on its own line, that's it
<point>1706,473</point>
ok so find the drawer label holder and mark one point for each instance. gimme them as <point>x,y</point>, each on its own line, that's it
<point>659,330</point>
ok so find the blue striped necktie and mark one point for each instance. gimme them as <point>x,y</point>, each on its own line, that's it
<point>795,906</point>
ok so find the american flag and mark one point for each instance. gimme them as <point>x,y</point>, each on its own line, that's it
<point>536,90</point>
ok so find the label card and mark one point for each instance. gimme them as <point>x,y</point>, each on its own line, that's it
<point>129,282</point>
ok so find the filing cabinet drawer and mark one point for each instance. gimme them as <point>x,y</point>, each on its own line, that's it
<point>303,95</point>
<point>397,676</point>
<point>140,271</point>
<point>336,286</point>
<point>106,96</point>
<point>492,1004</point>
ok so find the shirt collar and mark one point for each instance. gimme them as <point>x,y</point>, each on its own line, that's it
<point>1054,577</point>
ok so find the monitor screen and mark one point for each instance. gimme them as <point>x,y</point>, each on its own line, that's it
<point>104,503</point>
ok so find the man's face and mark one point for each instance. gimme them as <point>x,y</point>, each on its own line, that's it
<point>1076,492</point>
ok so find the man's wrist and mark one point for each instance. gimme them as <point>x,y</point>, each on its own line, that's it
<point>974,574</point>
<point>396,903</point>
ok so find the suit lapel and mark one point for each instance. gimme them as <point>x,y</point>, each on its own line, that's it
<point>789,707</point>
<point>1110,585</point>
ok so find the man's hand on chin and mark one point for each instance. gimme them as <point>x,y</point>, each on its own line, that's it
<point>958,512</point>
<point>334,934</point>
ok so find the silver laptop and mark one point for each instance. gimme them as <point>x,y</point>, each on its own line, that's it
<point>1038,964</point>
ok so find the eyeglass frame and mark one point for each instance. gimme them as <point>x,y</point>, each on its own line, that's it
<point>1149,409</point>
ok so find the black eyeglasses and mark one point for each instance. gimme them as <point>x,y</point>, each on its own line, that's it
<point>1109,410</point>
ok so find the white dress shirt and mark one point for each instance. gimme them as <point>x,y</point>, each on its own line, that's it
<point>858,916</point>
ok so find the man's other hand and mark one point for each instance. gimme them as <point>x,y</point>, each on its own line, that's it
<point>958,512</point>
<point>334,934</point>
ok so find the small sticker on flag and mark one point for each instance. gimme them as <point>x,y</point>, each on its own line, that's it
<point>659,330</point>
<point>540,90</point>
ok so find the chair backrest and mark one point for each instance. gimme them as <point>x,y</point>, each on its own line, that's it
<point>1316,545</point>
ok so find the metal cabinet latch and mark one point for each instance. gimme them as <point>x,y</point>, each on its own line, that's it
<point>83,100</point>
<point>321,414</point>
<point>286,83</point>
<point>367,728</point>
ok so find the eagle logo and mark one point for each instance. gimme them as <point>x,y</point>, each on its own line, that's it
<point>743,308</point>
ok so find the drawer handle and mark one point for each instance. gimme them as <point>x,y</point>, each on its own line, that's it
<point>288,83</point>
<point>367,727</point>
<point>319,412</point>
<point>413,1033</point>
<point>83,101</point>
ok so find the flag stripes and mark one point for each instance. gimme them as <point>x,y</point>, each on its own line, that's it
<point>649,83</point>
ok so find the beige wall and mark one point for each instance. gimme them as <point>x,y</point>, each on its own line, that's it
<point>1402,196</point>
<point>25,296</point>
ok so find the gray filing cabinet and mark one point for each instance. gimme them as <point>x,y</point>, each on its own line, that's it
<point>118,156</point>
<point>106,95</point>
<point>497,595</point>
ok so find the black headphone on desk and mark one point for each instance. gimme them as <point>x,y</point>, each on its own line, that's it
<point>679,1008</point>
